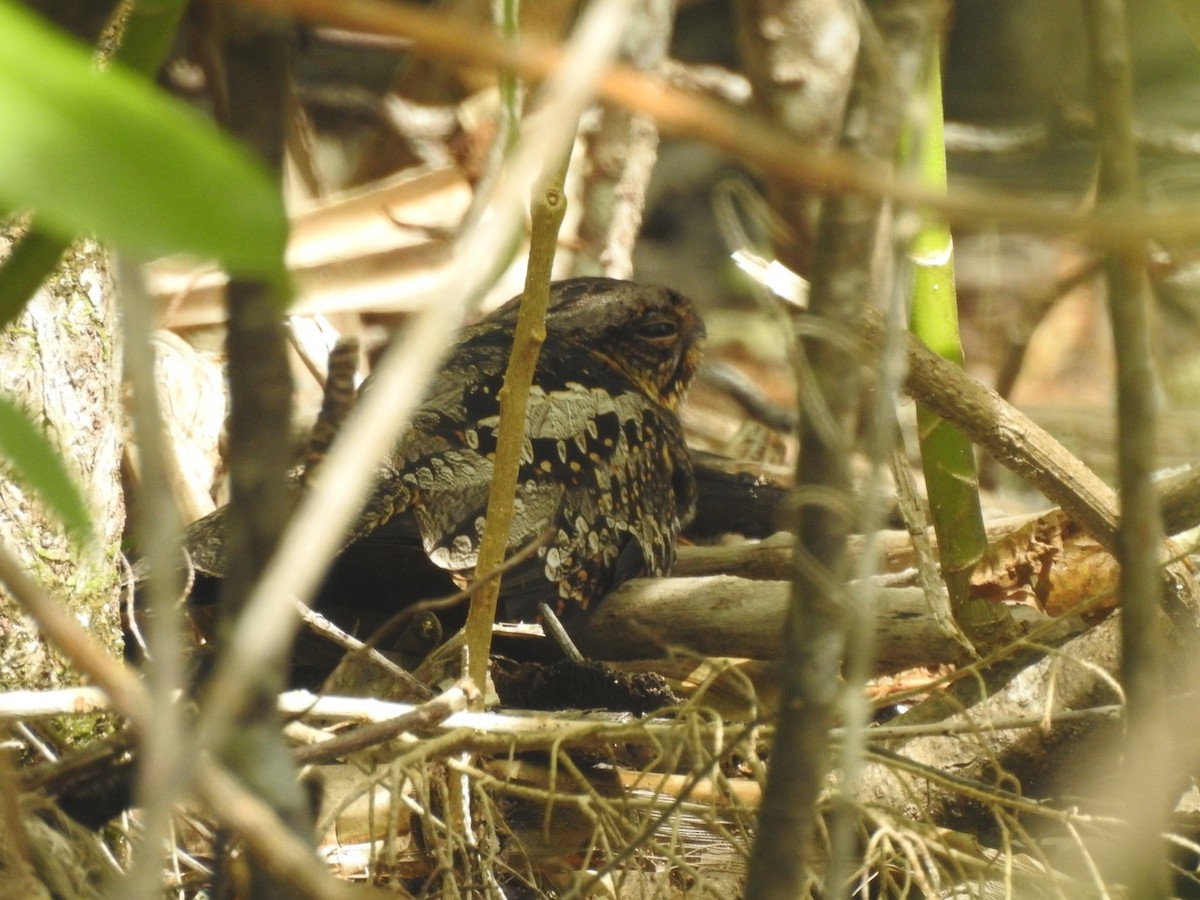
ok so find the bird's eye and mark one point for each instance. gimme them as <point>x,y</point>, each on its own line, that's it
<point>657,330</point>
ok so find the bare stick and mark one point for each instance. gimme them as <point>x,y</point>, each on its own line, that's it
<point>126,692</point>
<point>288,858</point>
<point>549,206</point>
<point>425,717</point>
<point>160,532</point>
<point>816,626</point>
<point>1147,786</point>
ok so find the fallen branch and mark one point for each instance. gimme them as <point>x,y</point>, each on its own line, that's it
<point>722,615</point>
<point>1079,675</point>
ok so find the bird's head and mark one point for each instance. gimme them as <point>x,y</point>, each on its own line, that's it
<point>652,334</point>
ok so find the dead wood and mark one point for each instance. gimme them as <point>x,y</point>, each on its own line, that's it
<point>722,615</point>
<point>1045,560</point>
<point>348,253</point>
<point>1004,761</point>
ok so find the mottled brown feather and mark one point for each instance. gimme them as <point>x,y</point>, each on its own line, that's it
<point>605,466</point>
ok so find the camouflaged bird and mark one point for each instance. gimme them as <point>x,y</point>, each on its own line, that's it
<point>604,468</point>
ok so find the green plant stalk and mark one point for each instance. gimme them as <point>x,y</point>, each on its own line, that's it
<point>510,88</point>
<point>548,208</point>
<point>145,41</point>
<point>947,457</point>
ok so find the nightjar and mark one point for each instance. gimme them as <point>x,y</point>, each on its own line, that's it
<point>605,470</point>
<point>604,467</point>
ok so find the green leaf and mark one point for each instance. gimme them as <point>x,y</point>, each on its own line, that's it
<point>27,266</point>
<point>34,461</point>
<point>1188,12</point>
<point>148,33</point>
<point>105,152</point>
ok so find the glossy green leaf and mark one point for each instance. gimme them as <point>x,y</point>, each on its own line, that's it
<point>105,152</point>
<point>34,461</point>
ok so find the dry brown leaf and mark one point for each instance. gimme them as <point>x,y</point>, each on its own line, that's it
<point>1049,563</point>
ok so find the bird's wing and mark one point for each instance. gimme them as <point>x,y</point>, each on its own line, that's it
<point>600,472</point>
<point>205,543</point>
<point>622,516</point>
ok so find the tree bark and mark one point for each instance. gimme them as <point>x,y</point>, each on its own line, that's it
<point>61,362</point>
<point>800,59</point>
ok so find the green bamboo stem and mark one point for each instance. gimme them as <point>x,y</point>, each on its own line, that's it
<point>947,457</point>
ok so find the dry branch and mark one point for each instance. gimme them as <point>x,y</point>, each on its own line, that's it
<point>824,632</point>
<point>1018,443</point>
<point>288,858</point>
<point>725,616</point>
<point>621,153</point>
<point>1081,674</point>
<point>800,59</point>
<point>380,248</point>
<point>1145,656</point>
<point>751,138</point>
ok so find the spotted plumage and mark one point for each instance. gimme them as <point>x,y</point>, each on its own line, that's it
<point>604,468</point>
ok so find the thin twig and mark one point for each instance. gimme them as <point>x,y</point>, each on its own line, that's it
<point>288,858</point>
<point>1147,786</point>
<point>744,135</point>
<point>979,790</point>
<point>160,533</point>
<point>549,206</point>
<point>621,152</point>
<point>801,76</point>
<point>700,773</point>
<point>554,629</point>
<point>1108,712</point>
<point>917,524</point>
<point>521,730</point>
<point>1068,124</point>
<point>19,705</point>
<point>356,649</point>
<point>128,695</point>
<point>428,715</point>
<point>816,627</point>
<point>256,58</point>
<point>439,604</point>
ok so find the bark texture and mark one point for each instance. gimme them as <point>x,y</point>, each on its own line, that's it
<point>59,361</point>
